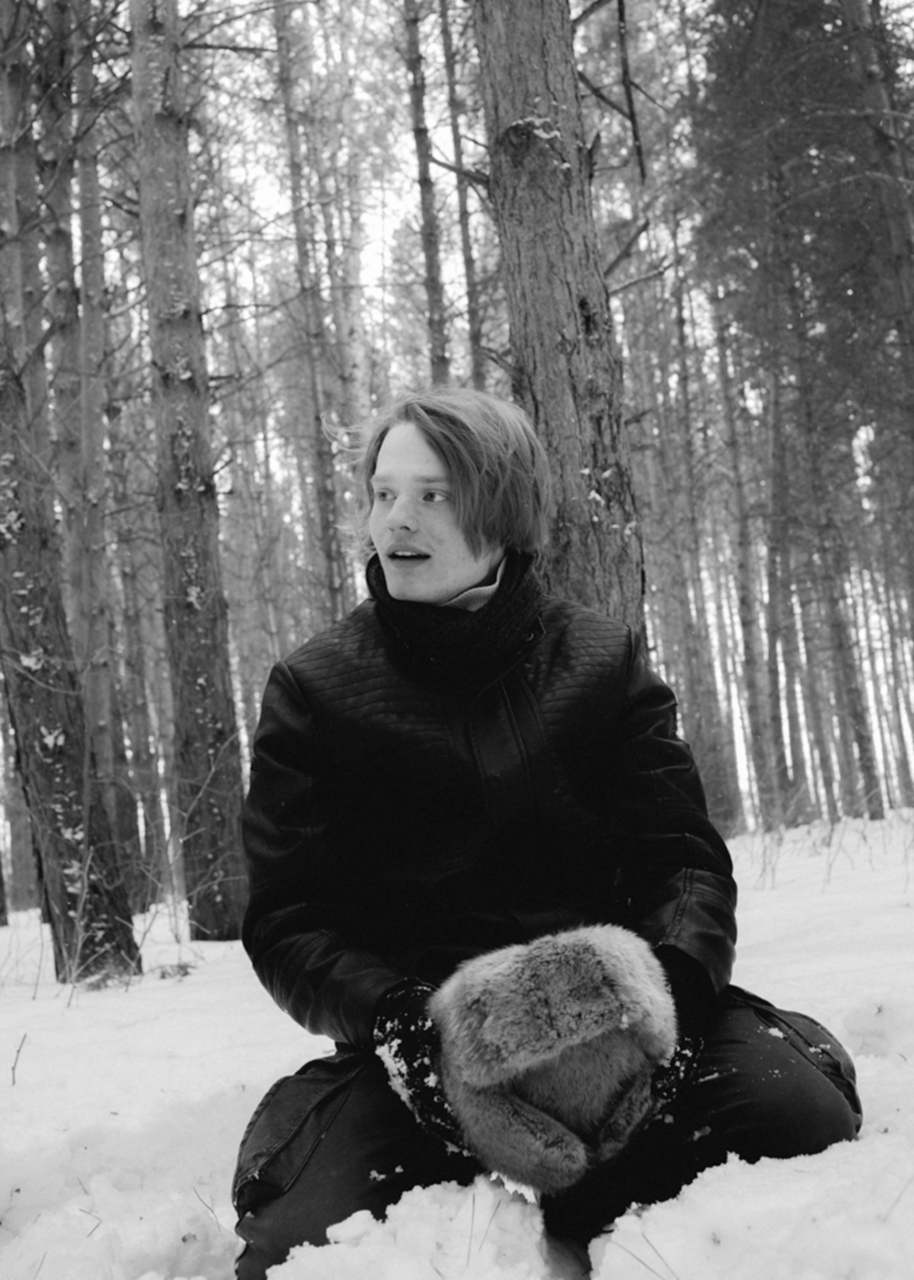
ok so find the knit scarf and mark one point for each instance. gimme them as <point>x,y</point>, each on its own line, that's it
<point>452,644</point>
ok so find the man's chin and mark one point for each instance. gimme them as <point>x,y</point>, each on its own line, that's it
<point>407,586</point>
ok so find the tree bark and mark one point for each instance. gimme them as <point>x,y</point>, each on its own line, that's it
<point>749,613</point>
<point>84,897</point>
<point>82,885</point>
<point>474,308</point>
<point>341,174</point>
<point>335,577</point>
<point>22,885</point>
<point>566,367</point>
<point>783,643</point>
<point>55,69</point>
<point>899,678</point>
<point>149,876</point>
<point>439,359</point>
<point>892,178</point>
<point>95,648</point>
<point>849,686</point>
<point>815,681</point>
<point>705,725</point>
<point>207,755</point>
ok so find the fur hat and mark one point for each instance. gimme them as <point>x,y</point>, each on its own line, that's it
<point>547,1050</point>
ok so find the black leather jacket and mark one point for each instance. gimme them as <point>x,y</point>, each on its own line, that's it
<point>395,826</point>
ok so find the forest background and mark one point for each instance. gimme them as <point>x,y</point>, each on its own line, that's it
<point>680,232</point>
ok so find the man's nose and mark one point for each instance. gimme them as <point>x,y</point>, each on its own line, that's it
<point>402,513</point>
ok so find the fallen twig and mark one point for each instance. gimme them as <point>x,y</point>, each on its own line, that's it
<point>16,1060</point>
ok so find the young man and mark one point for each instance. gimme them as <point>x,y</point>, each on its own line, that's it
<point>465,765</point>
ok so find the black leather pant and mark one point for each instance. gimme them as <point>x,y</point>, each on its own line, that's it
<point>335,1139</point>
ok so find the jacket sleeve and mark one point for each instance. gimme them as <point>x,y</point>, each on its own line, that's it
<point>296,929</point>
<point>677,869</point>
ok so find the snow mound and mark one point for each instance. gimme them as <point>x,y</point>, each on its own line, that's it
<point>808,1218</point>
<point>880,1027</point>
<point>479,1232</point>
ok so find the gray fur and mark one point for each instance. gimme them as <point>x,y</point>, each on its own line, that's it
<point>548,1050</point>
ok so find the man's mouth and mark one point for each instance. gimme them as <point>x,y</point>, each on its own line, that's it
<point>407,555</point>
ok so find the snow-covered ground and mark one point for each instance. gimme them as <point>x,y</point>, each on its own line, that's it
<point>123,1109</point>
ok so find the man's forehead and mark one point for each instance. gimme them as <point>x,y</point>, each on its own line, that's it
<point>437,477</point>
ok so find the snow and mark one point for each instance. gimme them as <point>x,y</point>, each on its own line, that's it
<point>123,1108</point>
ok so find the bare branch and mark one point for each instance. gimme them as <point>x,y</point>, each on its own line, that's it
<point>626,248</point>
<point>627,86</point>
<point>476,176</point>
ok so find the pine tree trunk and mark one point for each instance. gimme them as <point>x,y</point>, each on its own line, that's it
<point>57,173</point>
<point>207,756</point>
<point>355,399</point>
<point>22,885</point>
<point>870,632</point>
<point>474,308</point>
<point>773,690</point>
<point>134,546</point>
<point>704,727</point>
<point>254,531</point>
<point>566,366</point>
<point>95,648</point>
<point>800,807</point>
<point>335,577</point>
<point>664,387</point>
<point>82,885</point>
<point>340,160</point>
<point>730,703</point>
<point>760,751</point>
<point>23,306</point>
<point>892,180</point>
<point>849,687</point>
<point>431,232</point>
<point>899,679</point>
<point>855,743</point>
<point>893,192</point>
<point>150,878</point>
<point>817,679</point>
<point>84,896</point>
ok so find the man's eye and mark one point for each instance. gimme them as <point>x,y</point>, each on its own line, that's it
<point>381,495</point>
<point>436,495</point>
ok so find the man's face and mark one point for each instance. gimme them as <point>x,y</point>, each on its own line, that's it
<point>413,524</point>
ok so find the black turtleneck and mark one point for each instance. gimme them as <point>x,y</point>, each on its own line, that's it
<point>461,645</point>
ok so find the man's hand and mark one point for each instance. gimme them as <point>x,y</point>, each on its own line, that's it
<point>407,1042</point>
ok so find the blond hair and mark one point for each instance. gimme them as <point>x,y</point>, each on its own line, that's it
<point>496,464</point>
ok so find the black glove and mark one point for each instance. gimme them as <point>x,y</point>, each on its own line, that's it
<point>407,1042</point>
